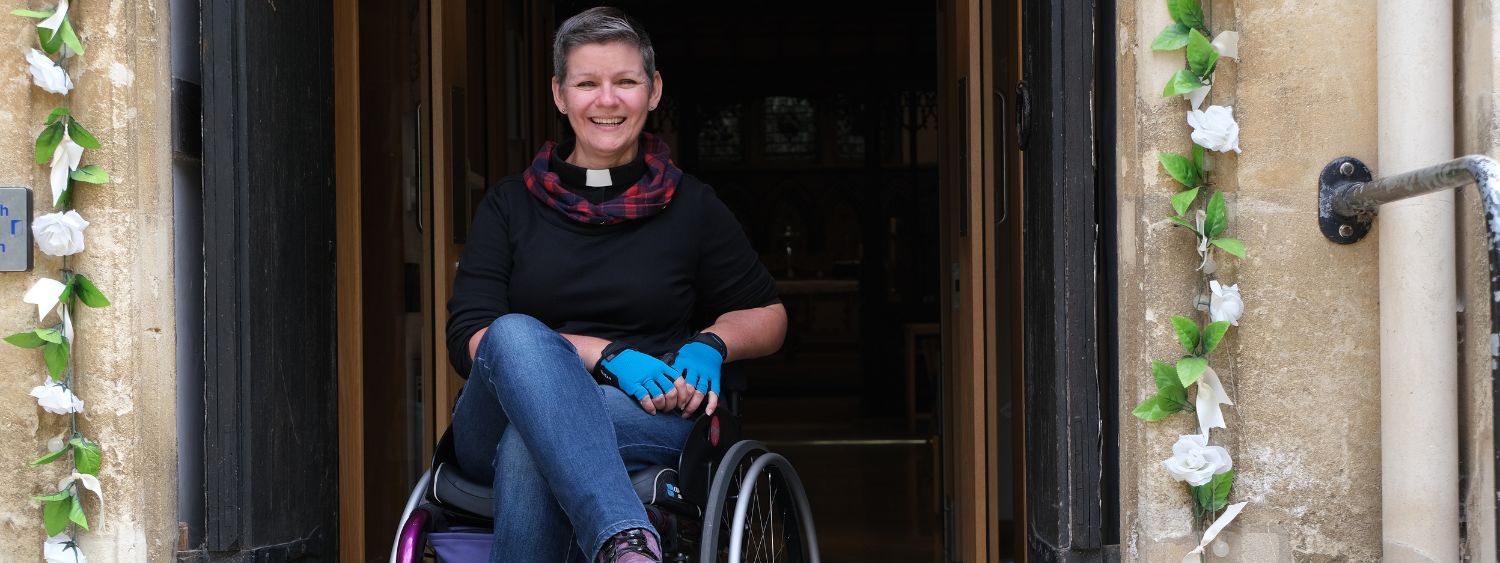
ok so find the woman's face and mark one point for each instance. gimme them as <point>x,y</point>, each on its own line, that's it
<point>606,96</point>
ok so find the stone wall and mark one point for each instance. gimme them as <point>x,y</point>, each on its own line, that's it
<point>1303,366</point>
<point>125,353</point>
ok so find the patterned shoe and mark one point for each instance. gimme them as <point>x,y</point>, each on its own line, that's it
<point>631,546</point>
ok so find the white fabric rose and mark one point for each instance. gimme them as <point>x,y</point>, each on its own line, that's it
<point>64,161</point>
<point>44,294</point>
<point>89,482</point>
<point>1210,395</point>
<point>1198,94</point>
<point>62,549</point>
<point>56,398</point>
<point>1215,128</point>
<point>1225,304</point>
<point>1227,43</point>
<point>1196,462</point>
<point>54,21</point>
<point>47,74</point>
<point>60,234</point>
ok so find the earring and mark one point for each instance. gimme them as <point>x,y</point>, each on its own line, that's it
<point>564,110</point>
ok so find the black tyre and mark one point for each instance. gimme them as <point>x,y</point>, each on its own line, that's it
<point>762,490</point>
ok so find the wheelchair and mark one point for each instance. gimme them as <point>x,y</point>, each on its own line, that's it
<point>728,500</point>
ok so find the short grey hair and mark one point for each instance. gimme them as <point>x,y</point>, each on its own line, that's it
<point>601,25</point>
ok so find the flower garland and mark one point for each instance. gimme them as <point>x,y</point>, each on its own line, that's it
<point>1207,469</point>
<point>61,145</point>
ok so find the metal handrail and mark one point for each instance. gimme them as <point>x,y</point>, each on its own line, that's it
<point>1348,199</point>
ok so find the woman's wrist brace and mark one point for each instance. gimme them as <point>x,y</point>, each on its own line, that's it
<point>713,341</point>
<point>601,374</point>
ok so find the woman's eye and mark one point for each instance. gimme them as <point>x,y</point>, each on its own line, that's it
<point>584,85</point>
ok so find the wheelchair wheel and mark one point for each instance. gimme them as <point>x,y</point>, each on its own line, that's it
<point>757,511</point>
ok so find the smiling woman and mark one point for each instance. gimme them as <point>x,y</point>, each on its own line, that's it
<point>606,90</point>
<point>591,317</point>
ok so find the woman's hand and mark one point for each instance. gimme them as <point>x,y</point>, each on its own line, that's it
<point>668,401</point>
<point>699,362</point>
<point>644,377</point>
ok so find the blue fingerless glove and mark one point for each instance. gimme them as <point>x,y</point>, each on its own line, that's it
<point>639,374</point>
<point>699,361</point>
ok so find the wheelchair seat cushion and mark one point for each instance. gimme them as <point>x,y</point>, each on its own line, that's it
<point>456,491</point>
<point>451,489</point>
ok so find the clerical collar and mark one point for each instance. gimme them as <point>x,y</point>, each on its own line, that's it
<point>583,180</point>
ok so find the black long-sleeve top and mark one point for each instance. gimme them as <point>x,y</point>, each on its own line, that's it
<point>643,281</point>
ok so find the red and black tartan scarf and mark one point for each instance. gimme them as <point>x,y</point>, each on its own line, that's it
<point>648,196</point>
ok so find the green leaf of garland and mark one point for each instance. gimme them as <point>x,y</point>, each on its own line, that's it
<point>1189,369</point>
<point>75,513</point>
<point>50,41</point>
<point>31,14</point>
<point>1187,333</point>
<point>87,456</point>
<point>1218,216</point>
<point>1200,156</point>
<point>57,112</point>
<point>1156,407</point>
<point>1201,55</point>
<point>88,293</point>
<point>82,136</point>
<point>49,335</point>
<point>1213,334</point>
<point>49,458</point>
<point>59,495</point>
<point>1214,495</point>
<point>55,514</point>
<point>1180,168</point>
<point>1167,385</point>
<point>47,141</point>
<point>65,201</point>
<point>1182,82</point>
<point>1172,38</point>
<point>1165,376</point>
<point>1188,13</point>
<point>90,173</point>
<point>68,289</point>
<point>1183,200</point>
<point>1183,223</point>
<point>56,357</point>
<point>69,37</point>
<point>1230,245</point>
<point>25,340</point>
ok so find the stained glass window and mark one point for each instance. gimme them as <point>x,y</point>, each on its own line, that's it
<point>790,128</point>
<point>851,133</point>
<point>720,139</point>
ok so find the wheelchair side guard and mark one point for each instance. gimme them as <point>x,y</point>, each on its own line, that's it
<point>710,438</point>
<point>660,486</point>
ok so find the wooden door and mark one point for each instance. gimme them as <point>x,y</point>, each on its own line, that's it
<point>1067,466</point>
<point>1006,409</point>
<point>270,436</point>
<point>968,235</point>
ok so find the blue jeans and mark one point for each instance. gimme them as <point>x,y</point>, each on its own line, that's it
<point>557,446</point>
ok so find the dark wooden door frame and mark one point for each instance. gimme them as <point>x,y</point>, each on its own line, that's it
<point>1072,501</point>
<point>270,435</point>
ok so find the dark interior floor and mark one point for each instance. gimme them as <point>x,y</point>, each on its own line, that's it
<point>871,481</point>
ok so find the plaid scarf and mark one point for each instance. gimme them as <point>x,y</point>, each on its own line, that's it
<point>648,196</point>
